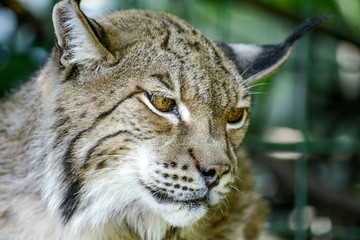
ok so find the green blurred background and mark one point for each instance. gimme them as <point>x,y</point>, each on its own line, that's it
<point>304,137</point>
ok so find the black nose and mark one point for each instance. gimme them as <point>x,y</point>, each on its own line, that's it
<point>213,172</point>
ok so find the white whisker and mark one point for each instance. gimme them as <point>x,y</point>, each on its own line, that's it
<point>222,212</point>
<point>254,76</point>
<point>235,188</point>
<point>239,179</point>
<point>257,93</point>
<point>246,69</point>
<point>258,84</point>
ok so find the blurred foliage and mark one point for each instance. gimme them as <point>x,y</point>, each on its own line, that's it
<point>317,93</point>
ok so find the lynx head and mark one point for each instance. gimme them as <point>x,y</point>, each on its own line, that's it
<point>147,113</point>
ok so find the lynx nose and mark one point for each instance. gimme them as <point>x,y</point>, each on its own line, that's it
<point>213,172</point>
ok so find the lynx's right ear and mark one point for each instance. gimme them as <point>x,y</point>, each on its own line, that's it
<point>255,61</point>
<point>79,39</point>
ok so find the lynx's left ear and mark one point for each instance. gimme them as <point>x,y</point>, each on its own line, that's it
<point>254,62</point>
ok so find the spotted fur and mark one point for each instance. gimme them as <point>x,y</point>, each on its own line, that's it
<point>85,155</point>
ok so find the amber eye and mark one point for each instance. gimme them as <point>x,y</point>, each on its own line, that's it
<point>162,103</point>
<point>236,115</point>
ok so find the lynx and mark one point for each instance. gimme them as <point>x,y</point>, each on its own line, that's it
<point>131,130</point>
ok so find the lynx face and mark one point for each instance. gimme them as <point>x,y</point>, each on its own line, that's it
<point>146,114</point>
<point>155,130</point>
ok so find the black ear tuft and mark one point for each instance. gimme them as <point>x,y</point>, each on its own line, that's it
<point>254,62</point>
<point>305,28</point>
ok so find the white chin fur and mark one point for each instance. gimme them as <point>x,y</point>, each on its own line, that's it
<point>179,215</point>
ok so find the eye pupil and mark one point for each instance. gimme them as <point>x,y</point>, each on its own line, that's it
<point>162,103</point>
<point>236,115</point>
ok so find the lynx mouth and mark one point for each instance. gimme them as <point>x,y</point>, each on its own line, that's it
<point>164,198</point>
<point>178,213</point>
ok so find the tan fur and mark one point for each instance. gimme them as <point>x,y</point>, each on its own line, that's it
<point>79,142</point>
